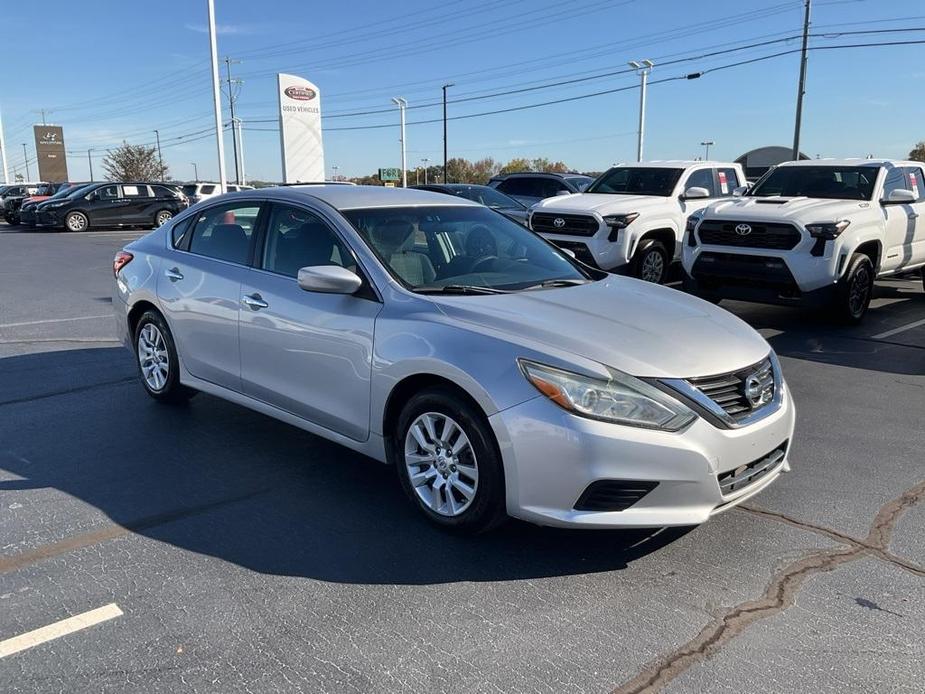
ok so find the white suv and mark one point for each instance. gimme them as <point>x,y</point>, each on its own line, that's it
<point>631,219</point>
<point>811,232</point>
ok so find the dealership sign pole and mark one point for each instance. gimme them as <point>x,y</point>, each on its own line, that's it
<point>216,98</point>
<point>6,171</point>
<point>300,134</point>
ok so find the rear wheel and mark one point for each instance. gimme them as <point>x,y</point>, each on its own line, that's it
<point>76,221</point>
<point>448,462</point>
<point>855,291</point>
<point>650,263</point>
<point>162,217</point>
<point>158,363</point>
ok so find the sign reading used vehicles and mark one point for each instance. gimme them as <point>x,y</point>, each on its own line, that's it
<point>300,130</point>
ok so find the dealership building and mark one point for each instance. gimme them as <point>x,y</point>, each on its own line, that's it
<point>758,161</point>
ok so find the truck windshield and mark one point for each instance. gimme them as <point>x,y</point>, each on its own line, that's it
<point>629,180</point>
<point>828,182</point>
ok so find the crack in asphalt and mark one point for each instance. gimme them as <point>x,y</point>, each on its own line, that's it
<point>777,597</point>
<point>19,561</point>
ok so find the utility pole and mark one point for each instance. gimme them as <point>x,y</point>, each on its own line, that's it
<point>216,99</point>
<point>707,144</point>
<point>445,86</point>
<point>90,163</point>
<point>425,161</point>
<point>157,137</point>
<point>231,99</point>
<point>642,68</point>
<point>802,88</point>
<point>334,168</point>
<point>195,171</point>
<point>6,171</point>
<point>25,155</point>
<point>241,149</point>
<point>402,105</point>
<point>43,111</point>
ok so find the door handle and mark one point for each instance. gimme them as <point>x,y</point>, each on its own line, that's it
<point>173,274</point>
<point>254,302</point>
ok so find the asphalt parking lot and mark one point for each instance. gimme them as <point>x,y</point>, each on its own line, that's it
<point>234,553</point>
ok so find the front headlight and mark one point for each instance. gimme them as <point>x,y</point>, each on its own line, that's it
<point>620,221</point>
<point>827,230</point>
<point>622,399</point>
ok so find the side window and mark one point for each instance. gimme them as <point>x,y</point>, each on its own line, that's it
<point>297,238</point>
<point>135,192</point>
<point>206,190</point>
<point>702,179</point>
<point>895,180</point>
<point>552,186</point>
<point>179,232</point>
<point>914,182</point>
<point>727,180</point>
<point>163,192</point>
<point>108,193</point>
<point>225,232</point>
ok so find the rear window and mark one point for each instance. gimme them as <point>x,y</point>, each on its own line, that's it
<point>207,190</point>
<point>189,189</point>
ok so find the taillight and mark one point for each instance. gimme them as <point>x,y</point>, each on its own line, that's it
<point>122,259</point>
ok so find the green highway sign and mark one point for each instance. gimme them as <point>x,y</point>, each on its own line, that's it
<point>389,174</point>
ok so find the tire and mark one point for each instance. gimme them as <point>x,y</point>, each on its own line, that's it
<point>854,291</point>
<point>923,279</point>
<point>651,261</point>
<point>157,360</point>
<point>469,484</point>
<point>76,221</point>
<point>161,217</point>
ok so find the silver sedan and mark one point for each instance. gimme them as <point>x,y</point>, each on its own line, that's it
<point>499,376</point>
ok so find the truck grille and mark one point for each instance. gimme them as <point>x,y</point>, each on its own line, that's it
<point>740,393</point>
<point>746,475</point>
<point>568,224</point>
<point>781,237</point>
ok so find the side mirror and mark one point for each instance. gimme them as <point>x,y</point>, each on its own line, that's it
<point>739,191</point>
<point>562,192</point>
<point>329,279</point>
<point>695,193</point>
<point>899,196</point>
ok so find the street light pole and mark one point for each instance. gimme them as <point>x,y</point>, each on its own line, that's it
<point>195,171</point>
<point>25,155</point>
<point>445,86</point>
<point>801,90</point>
<point>402,105</point>
<point>334,168</point>
<point>90,164</point>
<point>425,161</point>
<point>642,68</point>
<point>6,171</point>
<point>707,144</point>
<point>160,159</point>
<point>216,99</point>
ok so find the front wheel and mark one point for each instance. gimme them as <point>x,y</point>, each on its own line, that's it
<point>650,263</point>
<point>162,217</point>
<point>855,291</point>
<point>448,463</point>
<point>76,221</point>
<point>158,363</point>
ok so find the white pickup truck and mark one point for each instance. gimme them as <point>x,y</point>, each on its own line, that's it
<point>811,232</point>
<point>632,218</point>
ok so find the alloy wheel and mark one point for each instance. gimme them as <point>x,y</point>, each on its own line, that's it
<point>859,291</point>
<point>153,357</point>
<point>441,464</point>
<point>653,267</point>
<point>162,218</point>
<point>76,223</point>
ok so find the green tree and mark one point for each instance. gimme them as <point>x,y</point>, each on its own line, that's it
<point>918,152</point>
<point>516,165</point>
<point>134,163</point>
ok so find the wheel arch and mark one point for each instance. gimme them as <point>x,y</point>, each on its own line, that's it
<point>140,307</point>
<point>665,234</point>
<point>873,249</point>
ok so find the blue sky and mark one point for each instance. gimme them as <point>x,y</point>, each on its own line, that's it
<point>112,70</point>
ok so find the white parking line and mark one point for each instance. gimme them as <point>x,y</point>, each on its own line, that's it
<point>900,329</point>
<point>59,629</point>
<point>53,320</point>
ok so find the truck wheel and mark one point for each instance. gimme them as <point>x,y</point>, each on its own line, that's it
<point>854,292</point>
<point>650,263</point>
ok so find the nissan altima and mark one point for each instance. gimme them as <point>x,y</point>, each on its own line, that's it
<point>498,376</point>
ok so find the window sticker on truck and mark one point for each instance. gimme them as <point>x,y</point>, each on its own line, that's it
<point>723,183</point>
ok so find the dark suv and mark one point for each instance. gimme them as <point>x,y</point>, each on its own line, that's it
<point>114,204</point>
<point>529,188</point>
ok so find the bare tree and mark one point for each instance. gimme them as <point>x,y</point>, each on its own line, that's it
<point>134,163</point>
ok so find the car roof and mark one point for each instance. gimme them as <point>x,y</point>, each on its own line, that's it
<point>353,197</point>
<point>555,174</point>
<point>448,186</point>
<point>851,162</point>
<point>672,163</point>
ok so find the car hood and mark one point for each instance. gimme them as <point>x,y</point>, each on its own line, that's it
<point>602,203</point>
<point>637,327</point>
<point>798,210</point>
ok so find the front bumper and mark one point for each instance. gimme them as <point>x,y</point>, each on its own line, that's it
<point>552,457</point>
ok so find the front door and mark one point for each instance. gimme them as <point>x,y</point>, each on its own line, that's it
<point>107,206</point>
<point>307,353</point>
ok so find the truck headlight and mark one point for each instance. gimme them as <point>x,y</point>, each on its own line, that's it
<point>622,399</point>
<point>620,221</point>
<point>827,230</point>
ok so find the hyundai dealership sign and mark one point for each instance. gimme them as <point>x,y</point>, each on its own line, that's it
<point>300,130</point>
<point>49,148</point>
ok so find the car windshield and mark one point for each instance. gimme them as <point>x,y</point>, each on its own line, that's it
<point>454,249</point>
<point>580,182</point>
<point>486,196</point>
<point>80,190</point>
<point>629,180</point>
<point>828,182</point>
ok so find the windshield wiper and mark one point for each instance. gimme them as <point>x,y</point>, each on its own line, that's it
<point>459,289</point>
<point>547,284</point>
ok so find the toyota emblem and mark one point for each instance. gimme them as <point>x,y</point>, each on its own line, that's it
<point>558,222</point>
<point>743,229</point>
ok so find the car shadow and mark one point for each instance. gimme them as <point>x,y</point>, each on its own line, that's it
<point>217,479</point>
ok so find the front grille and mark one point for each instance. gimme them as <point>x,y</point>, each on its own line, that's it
<point>571,224</point>
<point>613,495</point>
<point>740,393</point>
<point>745,475</point>
<point>781,237</point>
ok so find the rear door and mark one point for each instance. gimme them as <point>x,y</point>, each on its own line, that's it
<point>138,200</point>
<point>307,353</point>
<point>914,253</point>
<point>200,288</point>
